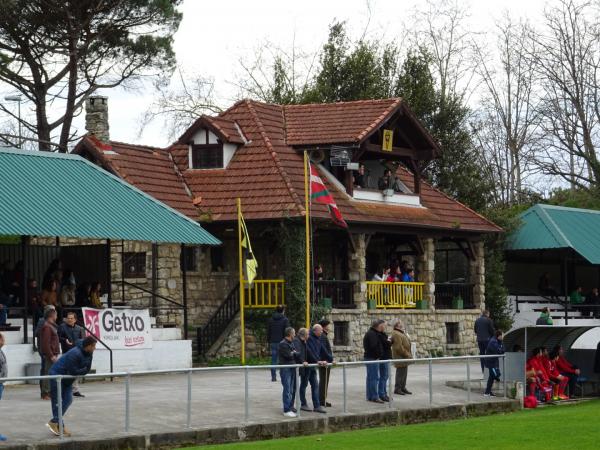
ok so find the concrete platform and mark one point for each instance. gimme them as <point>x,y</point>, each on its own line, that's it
<point>158,409</point>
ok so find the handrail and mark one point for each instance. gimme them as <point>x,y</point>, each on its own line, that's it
<point>147,291</point>
<point>110,352</point>
<point>218,321</point>
<point>256,298</point>
<point>399,294</point>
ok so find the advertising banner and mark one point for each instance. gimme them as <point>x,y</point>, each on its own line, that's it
<point>120,328</point>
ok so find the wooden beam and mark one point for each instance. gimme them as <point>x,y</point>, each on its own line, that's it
<point>398,151</point>
<point>367,240</point>
<point>352,243</point>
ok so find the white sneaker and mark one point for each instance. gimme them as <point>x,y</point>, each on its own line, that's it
<point>290,414</point>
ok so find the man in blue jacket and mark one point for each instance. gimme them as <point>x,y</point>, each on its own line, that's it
<point>69,335</point>
<point>494,347</point>
<point>309,349</point>
<point>76,362</point>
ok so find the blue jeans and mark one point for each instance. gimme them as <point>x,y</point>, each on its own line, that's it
<point>288,381</point>
<point>67,397</point>
<point>274,359</point>
<point>482,348</point>
<point>372,381</point>
<point>494,376</point>
<point>309,375</point>
<point>1,390</point>
<point>384,374</point>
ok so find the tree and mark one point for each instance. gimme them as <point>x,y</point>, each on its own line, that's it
<point>507,121</point>
<point>567,63</point>
<point>56,53</point>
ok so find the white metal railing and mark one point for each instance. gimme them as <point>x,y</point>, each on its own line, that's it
<point>246,369</point>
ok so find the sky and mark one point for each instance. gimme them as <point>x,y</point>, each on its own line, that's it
<point>213,36</point>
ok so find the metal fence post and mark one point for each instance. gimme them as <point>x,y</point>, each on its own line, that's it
<point>469,380</point>
<point>61,426</point>
<point>297,390</point>
<point>344,388</point>
<point>246,396</point>
<point>189,400</point>
<point>430,381</point>
<point>127,401</point>
<point>390,384</point>
<point>504,373</point>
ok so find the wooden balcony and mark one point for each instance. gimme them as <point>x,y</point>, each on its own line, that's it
<point>264,293</point>
<point>395,295</point>
<point>341,293</point>
<point>447,294</point>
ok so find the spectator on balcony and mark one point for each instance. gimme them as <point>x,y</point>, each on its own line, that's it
<point>34,301</point>
<point>576,299</point>
<point>545,287</point>
<point>49,294</point>
<point>401,349</point>
<point>95,294</point>
<point>3,373</point>
<point>409,275</point>
<point>53,272</point>
<point>484,330</point>
<point>275,333</point>
<point>68,290</point>
<point>593,300</point>
<point>318,272</point>
<point>325,371</point>
<point>360,178</point>
<point>388,181</point>
<point>82,298</point>
<point>5,302</point>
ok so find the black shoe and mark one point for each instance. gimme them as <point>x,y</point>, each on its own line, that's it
<point>327,404</point>
<point>398,392</point>
<point>406,391</point>
<point>78,394</point>
<point>385,398</point>
<point>294,410</point>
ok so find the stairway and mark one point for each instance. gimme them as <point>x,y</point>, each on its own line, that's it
<point>530,306</point>
<point>208,335</point>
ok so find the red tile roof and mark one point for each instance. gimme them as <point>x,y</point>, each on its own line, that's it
<point>267,172</point>
<point>336,123</point>
<point>225,129</point>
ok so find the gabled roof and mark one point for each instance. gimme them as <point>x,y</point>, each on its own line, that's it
<point>267,173</point>
<point>558,227</point>
<point>48,194</point>
<point>226,130</point>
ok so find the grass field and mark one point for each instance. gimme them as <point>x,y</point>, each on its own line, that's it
<point>556,427</point>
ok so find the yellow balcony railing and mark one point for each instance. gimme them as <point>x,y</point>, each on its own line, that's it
<point>264,293</point>
<point>395,295</point>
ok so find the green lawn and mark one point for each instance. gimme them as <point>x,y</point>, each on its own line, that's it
<point>555,427</point>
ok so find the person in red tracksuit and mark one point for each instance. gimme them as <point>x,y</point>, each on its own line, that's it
<point>540,378</point>
<point>557,377</point>
<point>567,369</point>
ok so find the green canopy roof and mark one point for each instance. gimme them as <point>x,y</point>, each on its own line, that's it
<point>49,194</point>
<point>557,227</point>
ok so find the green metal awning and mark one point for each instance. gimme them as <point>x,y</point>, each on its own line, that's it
<point>556,227</point>
<point>49,194</point>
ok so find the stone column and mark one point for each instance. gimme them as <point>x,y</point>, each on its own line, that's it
<point>425,268</point>
<point>357,263</point>
<point>477,275</point>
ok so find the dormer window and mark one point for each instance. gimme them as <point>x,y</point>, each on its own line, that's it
<point>207,156</point>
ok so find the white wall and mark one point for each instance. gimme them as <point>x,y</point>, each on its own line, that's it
<point>200,138</point>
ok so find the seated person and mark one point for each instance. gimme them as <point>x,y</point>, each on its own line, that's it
<point>544,318</point>
<point>566,369</point>
<point>560,381</point>
<point>537,377</point>
<point>576,300</point>
<point>545,287</point>
<point>593,300</point>
<point>387,181</point>
<point>409,275</point>
<point>360,178</point>
<point>4,304</point>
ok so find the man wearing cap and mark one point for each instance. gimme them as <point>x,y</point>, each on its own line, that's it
<point>401,350</point>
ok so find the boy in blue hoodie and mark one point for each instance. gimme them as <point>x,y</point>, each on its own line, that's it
<point>494,347</point>
<point>76,362</point>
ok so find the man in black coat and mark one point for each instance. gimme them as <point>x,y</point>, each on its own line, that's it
<point>325,371</point>
<point>484,330</point>
<point>275,333</point>
<point>287,356</point>
<point>309,353</point>
<point>69,335</point>
<point>374,350</point>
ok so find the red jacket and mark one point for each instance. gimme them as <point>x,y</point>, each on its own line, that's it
<point>552,370</point>
<point>565,366</point>
<point>536,364</point>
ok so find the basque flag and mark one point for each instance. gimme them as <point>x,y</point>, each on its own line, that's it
<point>320,194</point>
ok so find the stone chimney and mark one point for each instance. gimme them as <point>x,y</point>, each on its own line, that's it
<point>96,117</point>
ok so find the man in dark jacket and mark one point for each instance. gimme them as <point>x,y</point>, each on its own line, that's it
<point>76,362</point>
<point>484,330</point>
<point>288,355</point>
<point>275,333</point>
<point>69,335</point>
<point>495,347</point>
<point>373,347</point>
<point>309,351</point>
<point>49,348</point>
<point>325,371</point>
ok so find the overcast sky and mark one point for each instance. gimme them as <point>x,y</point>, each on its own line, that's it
<point>213,36</point>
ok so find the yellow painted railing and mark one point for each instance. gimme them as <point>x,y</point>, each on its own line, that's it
<point>264,293</point>
<point>395,295</point>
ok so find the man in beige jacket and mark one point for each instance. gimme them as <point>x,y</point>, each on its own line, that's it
<point>401,350</point>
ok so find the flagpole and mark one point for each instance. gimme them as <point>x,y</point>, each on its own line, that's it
<point>307,219</point>
<point>242,325</point>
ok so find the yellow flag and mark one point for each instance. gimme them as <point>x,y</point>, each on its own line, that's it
<point>251,263</point>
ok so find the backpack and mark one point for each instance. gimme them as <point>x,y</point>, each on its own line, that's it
<point>530,402</point>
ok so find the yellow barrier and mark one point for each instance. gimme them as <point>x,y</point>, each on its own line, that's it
<point>264,294</point>
<point>395,295</point>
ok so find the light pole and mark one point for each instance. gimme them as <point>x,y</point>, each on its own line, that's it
<point>17,98</point>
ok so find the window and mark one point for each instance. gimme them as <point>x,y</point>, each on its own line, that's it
<point>452,333</point>
<point>189,259</point>
<point>207,156</point>
<point>217,259</point>
<point>341,333</point>
<point>134,265</point>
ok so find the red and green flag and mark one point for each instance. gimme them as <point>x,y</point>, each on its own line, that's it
<point>320,194</point>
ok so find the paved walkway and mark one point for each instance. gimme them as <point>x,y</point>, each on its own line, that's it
<point>159,402</point>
